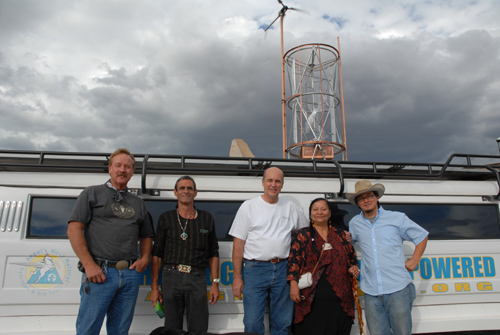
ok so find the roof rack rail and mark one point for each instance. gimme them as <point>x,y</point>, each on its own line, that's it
<point>86,162</point>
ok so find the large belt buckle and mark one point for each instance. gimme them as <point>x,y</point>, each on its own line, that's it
<point>121,265</point>
<point>275,260</point>
<point>184,268</point>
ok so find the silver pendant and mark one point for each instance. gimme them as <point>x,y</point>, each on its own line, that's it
<point>184,236</point>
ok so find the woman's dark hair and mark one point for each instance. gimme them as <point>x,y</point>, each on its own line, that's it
<point>311,222</point>
<point>313,202</point>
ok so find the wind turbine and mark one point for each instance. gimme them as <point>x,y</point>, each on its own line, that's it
<point>281,16</point>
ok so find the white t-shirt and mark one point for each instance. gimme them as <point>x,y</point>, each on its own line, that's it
<point>266,228</point>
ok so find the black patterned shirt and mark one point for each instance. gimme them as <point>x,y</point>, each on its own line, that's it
<point>200,245</point>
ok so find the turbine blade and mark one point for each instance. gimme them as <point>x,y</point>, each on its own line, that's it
<point>303,11</point>
<point>269,26</point>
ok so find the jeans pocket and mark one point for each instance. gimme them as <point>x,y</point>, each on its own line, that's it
<point>167,271</point>
<point>249,264</point>
<point>250,268</point>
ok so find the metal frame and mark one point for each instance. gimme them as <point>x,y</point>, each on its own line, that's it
<point>53,161</point>
<point>317,128</point>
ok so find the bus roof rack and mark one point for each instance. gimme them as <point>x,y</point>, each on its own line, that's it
<point>87,162</point>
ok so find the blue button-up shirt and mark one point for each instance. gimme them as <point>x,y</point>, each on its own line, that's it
<point>382,260</point>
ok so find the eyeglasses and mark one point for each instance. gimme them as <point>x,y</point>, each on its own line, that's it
<point>366,197</point>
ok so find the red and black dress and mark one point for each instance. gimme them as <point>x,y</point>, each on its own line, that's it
<point>328,307</point>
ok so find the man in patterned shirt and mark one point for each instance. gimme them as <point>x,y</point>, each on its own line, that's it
<point>185,245</point>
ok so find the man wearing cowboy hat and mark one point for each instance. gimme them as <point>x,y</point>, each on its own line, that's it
<point>385,273</point>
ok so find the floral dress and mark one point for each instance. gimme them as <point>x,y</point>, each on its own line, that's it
<point>334,264</point>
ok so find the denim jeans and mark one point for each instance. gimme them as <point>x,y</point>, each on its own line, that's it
<point>185,291</point>
<point>266,282</point>
<point>116,298</point>
<point>390,311</point>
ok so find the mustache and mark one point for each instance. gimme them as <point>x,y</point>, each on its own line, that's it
<point>121,174</point>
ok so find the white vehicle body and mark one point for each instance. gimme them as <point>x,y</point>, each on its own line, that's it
<point>457,281</point>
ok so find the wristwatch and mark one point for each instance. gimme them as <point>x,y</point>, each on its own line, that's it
<point>216,280</point>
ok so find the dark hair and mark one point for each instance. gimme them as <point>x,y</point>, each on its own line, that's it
<point>336,220</point>
<point>185,178</point>
<point>315,201</point>
<point>311,230</point>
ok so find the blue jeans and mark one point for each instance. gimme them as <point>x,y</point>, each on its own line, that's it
<point>266,282</point>
<point>116,298</point>
<point>185,291</point>
<point>390,311</point>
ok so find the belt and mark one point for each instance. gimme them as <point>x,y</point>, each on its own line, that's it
<point>119,265</point>
<point>274,260</point>
<point>184,268</point>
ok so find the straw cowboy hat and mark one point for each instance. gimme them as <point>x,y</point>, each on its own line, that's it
<point>364,186</point>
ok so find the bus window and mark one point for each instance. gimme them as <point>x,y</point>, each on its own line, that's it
<point>447,221</point>
<point>222,211</point>
<point>48,216</point>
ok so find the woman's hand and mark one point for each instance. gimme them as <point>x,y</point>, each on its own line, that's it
<point>294,291</point>
<point>348,237</point>
<point>354,270</point>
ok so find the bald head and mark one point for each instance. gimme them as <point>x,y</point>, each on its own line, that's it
<point>272,181</point>
<point>274,171</point>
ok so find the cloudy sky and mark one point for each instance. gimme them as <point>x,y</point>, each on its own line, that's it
<point>421,78</point>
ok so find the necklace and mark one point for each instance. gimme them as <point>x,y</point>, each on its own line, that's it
<point>184,236</point>
<point>322,232</point>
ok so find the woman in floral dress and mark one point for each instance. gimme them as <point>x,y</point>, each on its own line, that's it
<point>327,306</point>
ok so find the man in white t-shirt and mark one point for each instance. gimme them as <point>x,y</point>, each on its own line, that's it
<point>262,234</point>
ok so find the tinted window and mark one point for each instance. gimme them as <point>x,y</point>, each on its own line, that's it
<point>446,221</point>
<point>222,211</point>
<point>49,216</point>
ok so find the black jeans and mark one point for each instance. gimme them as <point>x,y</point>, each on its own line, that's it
<point>185,292</point>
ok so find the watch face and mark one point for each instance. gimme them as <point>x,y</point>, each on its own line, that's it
<point>216,280</point>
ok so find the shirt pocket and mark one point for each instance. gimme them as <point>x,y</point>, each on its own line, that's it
<point>390,236</point>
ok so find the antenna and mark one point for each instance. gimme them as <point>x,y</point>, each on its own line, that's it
<point>281,16</point>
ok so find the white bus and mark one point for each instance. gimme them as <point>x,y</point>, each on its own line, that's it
<point>457,281</point>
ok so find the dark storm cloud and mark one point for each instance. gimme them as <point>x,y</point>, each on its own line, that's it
<point>419,99</point>
<point>420,81</point>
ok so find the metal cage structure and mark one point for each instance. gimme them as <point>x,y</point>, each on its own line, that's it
<point>317,118</point>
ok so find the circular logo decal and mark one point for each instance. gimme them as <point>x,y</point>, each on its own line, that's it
<point>123,211</point>
<point>44,272</point>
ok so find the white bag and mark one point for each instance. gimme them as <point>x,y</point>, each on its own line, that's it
<point>305,281</point>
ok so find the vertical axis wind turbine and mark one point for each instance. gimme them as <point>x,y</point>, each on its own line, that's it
<point>281,16</point>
